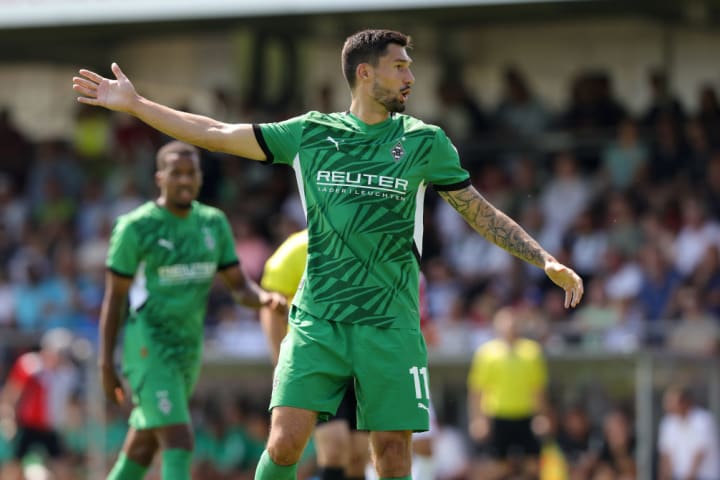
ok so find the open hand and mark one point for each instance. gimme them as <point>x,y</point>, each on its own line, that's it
<point>566,279</point>
<point>118,94</point>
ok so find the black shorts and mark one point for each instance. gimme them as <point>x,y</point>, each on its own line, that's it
<point>29,439</point>
<point>512,439</point>
<point>347,410</point>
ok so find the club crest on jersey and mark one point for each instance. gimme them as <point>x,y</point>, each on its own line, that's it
<point>209,240</point>
<point>397,151</point>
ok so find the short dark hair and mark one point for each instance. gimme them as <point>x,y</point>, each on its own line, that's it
<point>175,146</point>
<point>367,46</point>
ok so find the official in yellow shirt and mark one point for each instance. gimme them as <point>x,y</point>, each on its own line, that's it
<point>506,391</point>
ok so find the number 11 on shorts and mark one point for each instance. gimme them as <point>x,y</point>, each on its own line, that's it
<point>416,374</point>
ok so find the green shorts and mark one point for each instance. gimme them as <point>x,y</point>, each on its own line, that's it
<point>160,390</point>
<point>318,358</point>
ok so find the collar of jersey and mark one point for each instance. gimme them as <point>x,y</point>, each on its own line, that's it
<point>366,126</point>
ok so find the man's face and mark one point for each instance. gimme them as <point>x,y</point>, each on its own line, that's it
<point>393,79</point>
<point>179,180</point>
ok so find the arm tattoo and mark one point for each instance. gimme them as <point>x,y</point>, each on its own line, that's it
<point>494,225</point>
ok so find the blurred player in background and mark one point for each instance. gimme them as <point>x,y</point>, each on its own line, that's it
<point>35,399</point>
<point>162,260</point>
<point>362,176</point>
<point>506,396</point>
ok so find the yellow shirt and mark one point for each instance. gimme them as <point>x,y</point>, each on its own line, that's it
<point>285,268</point>
<point>508,377</point>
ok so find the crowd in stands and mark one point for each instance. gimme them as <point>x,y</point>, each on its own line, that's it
<point>630,200</point>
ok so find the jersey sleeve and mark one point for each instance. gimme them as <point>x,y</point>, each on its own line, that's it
<point>285,268</point>
<point>228,256</point>
<point>280,140</point>
<point>123,256</point>
<point>444,169</point>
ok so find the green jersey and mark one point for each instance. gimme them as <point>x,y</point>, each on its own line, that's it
<point>362,187</point>
<point>172,261</point>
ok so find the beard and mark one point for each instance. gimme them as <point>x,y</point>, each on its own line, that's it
<point>388,99</point>
<point>182,205</point>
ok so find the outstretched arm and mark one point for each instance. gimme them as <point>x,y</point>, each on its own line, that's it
<point>503,231</point>
<point>120,95</point>
<point>247,292</point>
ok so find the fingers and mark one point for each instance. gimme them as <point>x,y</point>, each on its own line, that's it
<point>84,83</point>
<point>91,75</point>
<point>116,70</point>
<point>574,294</point>
<point>88,101</point>
<point>83,90</point>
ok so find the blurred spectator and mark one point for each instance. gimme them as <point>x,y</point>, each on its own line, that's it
<point>587,243</point>
<point>688,438</point>
<point>443,290</point>
<point>7,300</point>
<point>700,151</point>
<point>709,112</point>
<point>15,150</point>
<point>519,114</point>
<point>658,285</point>
<point>92,140</point>
<point>36,394</point>
<point>709,188</point>
<point>578,441</point>
<point>33,301</point>
<point>696,331</point>
<point>93,213</point>
<point>506,390</point>
<point>595,317</point>
<point>616,458</point>
<point>128,198</point>
<point>662,100</point>
<point>698,233</point>
<point>562,199</point>
<point>56,208</point>
<point>668,151</point>
<point>250,245</point>
<point>624,231</point>
<point>593,108</point>
<point>460,114</point>
<point>625,159</point>
<point>13,210</point>
<point>525,188</point>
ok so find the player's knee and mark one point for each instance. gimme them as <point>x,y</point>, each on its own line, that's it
<point>285,447</point>
<point>176,437</point>
<point>392,453</point>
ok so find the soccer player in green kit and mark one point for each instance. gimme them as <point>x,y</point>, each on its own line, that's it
<point>362,175</point>
<point>162,259</point>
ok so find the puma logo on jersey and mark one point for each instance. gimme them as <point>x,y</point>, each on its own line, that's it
<point>166,244</point>
<point>334,142</point>
<point>424,407</point>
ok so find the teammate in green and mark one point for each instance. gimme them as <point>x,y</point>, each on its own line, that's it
<point>162,259</point>
<point>341,450</point>
<point>362,175</point>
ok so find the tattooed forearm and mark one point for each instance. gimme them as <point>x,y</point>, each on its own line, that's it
<point>495,225</point>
